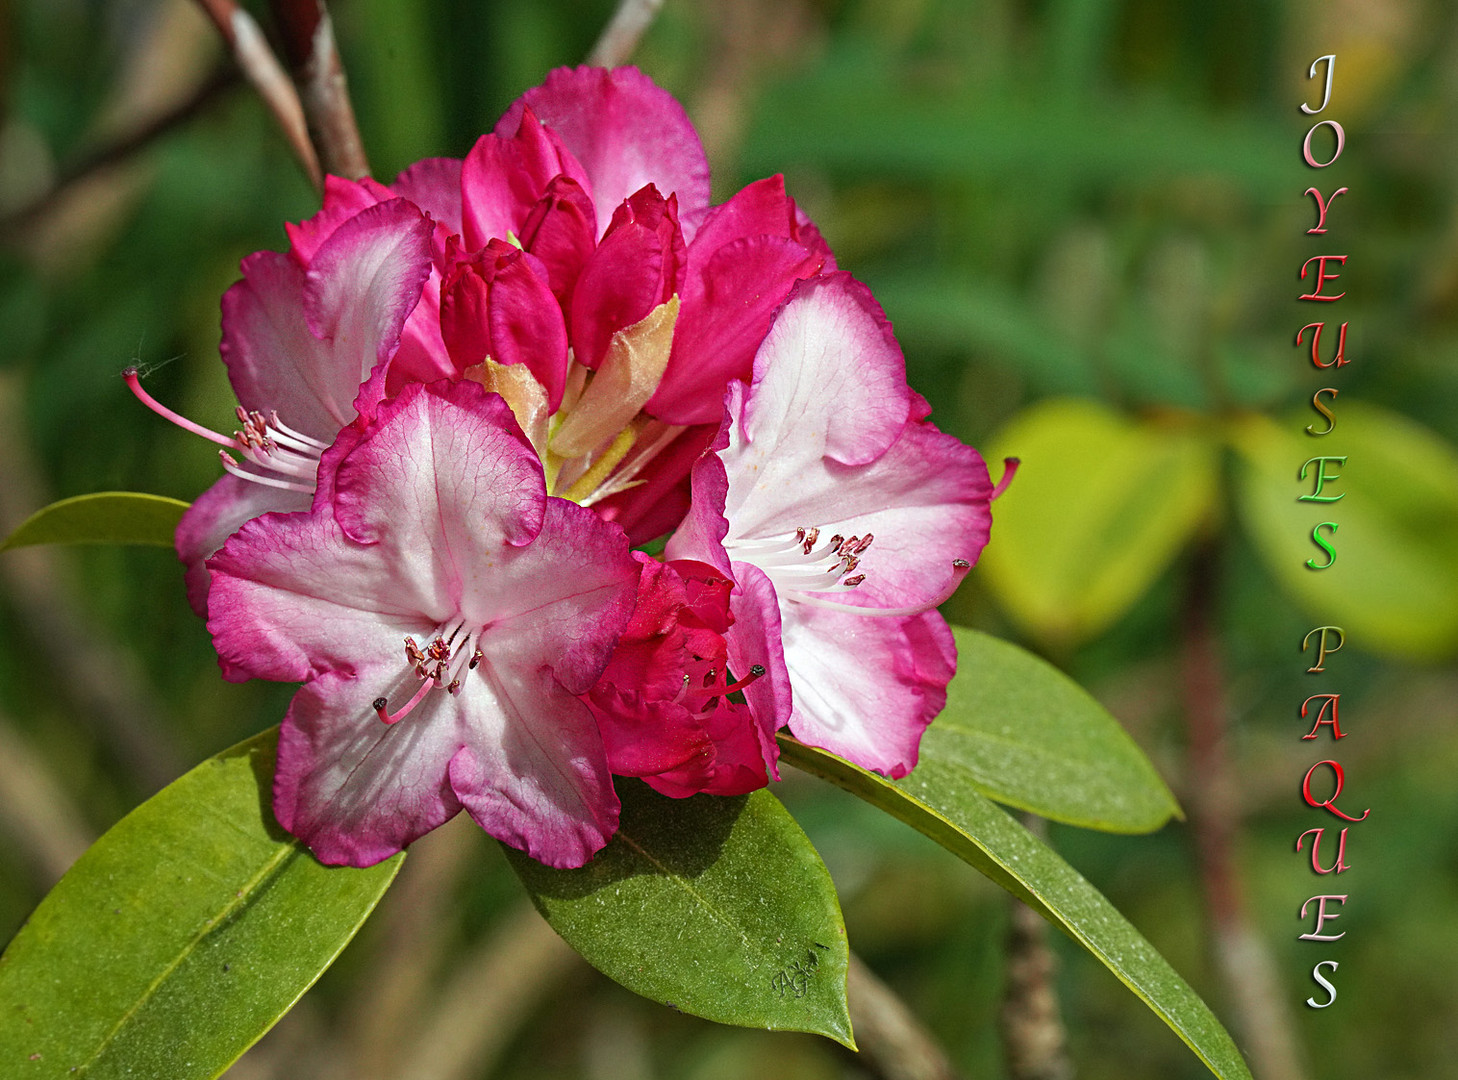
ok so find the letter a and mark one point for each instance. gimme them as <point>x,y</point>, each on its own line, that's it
<point>1326,700</point>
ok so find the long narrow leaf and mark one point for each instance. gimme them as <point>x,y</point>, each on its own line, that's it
<point>1027,735</point>
<point>945,806</point>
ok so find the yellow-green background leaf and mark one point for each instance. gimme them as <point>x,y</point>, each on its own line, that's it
<point>1394,585</point>
<point>1099,508</point>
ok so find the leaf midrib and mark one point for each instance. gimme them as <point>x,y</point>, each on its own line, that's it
<point>241,898</point>
<point>682,883</point>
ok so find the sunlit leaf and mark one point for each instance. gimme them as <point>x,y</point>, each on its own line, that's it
<point>1025,734</point>
<point>717,906</point>
<point>107,517</point>
<point>1394,585</point>
<point>1098,510</point>
<point>943,804</point>
<point>181,936</point>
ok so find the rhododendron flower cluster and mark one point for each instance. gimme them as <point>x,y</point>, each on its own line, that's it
<point>466,396</point>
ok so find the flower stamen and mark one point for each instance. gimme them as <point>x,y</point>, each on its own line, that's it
<point>437,666</point>
<point>261,440</point>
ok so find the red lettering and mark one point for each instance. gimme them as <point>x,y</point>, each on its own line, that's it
<point>1322,206</point>
<point>1322,277</point>
<point>1329,804</point>
<point>1340,359</point>
<point>1340,863</point>
<point>1327,700</point>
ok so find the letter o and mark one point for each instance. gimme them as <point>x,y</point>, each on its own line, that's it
<point>1341,141</point>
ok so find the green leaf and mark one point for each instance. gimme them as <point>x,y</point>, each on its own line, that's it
<point>1099,508</point>
<point>1025,734</point>
<point>181,936</point>
<point>717,906</point>
<point>943,804</point>
<point>107,517</point>
<point>1394,585</point>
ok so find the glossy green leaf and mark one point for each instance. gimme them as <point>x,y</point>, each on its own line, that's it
<point>943,804</point>
<point>1394,585</point>
<point>717,906</point>
<point>181,936</point>
<point>1025,734</point>
<point>107,517</point>
<point>1097,511</point>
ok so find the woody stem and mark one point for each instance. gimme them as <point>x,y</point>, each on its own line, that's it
<point>1214,805</point>
<point>308,37</point>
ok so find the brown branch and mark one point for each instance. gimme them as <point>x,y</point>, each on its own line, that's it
<point>624,30</point>
<point>1033,1037</point>
<point>496,988</point>
<point>893,1041</point>
<point>119,150</point>
<point>308,37</point>
<point>261,68</point>
<point>36,812</point>
<point>108,692</point>
<point>1214,803</point>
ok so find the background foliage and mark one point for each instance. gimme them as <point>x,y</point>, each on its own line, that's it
<point>1088,199</point>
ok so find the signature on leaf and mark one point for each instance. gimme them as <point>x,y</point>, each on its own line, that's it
<point>795,980</point>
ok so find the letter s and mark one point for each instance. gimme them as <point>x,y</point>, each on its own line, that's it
<point>1328,987</point>
<point>1325,545</point>
<point>1321,407</point>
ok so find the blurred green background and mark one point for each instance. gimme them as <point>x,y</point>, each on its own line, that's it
<point>1086,219</point>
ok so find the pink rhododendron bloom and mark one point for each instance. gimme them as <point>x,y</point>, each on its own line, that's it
<point>301,332</point>
<point>463,396</point>
<point>442,613</point>
<point>843,518</point>
<point>582,216</point>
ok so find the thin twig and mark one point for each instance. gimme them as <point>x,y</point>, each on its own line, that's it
<point>36,812</point>
<point>108,692</point>
<point>411,936</point>
<point>1034,1040</point>
<point>261,68</point>
<point>498,985</point>
<point>1214,802</point>
<point>119,150</point>
<point>624,30</point>
<point>893,1042</point>
<point>308,37</point>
